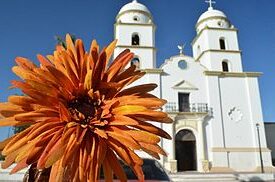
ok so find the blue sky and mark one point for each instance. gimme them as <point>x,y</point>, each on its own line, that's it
<point>28,27</point>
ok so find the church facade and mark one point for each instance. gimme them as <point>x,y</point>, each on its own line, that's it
<point>215,105</point>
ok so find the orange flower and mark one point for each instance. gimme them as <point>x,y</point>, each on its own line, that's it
<point>81,116</point>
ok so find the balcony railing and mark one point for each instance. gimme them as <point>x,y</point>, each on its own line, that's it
<point>193,107</point>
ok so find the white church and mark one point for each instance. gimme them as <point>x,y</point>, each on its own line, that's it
<point>214,104</point>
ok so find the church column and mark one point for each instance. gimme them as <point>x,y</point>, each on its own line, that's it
<point>169,146</point>
<point>201,149</point>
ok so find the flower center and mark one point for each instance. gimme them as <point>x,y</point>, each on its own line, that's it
<point>84,109</point>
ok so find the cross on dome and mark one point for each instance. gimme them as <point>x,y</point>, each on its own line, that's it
<point>210,2</point>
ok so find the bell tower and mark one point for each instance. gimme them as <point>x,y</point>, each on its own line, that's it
<point>135,30</point>
<point>216,44</point>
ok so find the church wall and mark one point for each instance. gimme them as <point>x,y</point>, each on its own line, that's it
<point>256,108</point>
<point>145,56</point>
<point>236,113</point>
<point>200,45</point>
<point>230,37</point>
<point>242,161</point>
<point>214,101</point>
<point>208,139</point>
<point>173,75</point>
<point>124,33</point>
<point>209,39</point>
<point>216,58</point>
<point>241,109</point>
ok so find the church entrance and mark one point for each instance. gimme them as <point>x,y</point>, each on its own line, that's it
<point>186,151</point>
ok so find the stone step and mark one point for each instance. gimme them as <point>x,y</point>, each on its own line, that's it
<point>218,177</point>
<point>203,177</point>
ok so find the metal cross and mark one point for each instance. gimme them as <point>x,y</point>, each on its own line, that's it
<point>211,2</point>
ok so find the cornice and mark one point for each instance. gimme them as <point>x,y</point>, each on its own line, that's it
<point>239,149</point>
<point>212,28</point>
<point>217,50</point>
<point>135,24</point>
<point>136,47</point>
<point>232,74</point>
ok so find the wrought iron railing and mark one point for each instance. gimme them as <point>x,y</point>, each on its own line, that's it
<point>193,107</point>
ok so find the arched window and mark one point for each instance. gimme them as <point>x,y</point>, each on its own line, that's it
<point>135,39</point>
<point>136,62</point>
<point>222,44</point>
<point>225,66</point>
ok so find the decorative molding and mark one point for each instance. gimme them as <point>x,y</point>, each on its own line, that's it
<point>221,169</point>
<point>180,56</point>
<point>135,47</point>
<point>134,11</point>
<point>184,85</point>
<point>185,124</point>
<point>235,114</point>
<point>187,115</point>
<point>135,24</point>
<point>267,169</point>
<point>219,51</point>
<point>211,28</point>
<point>232,74</point>
<point>239,149</point>
<point>155,71</point>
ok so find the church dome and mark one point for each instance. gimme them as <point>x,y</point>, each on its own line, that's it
<point>134,5</point>
<point>211,13</point>
<point>134,12</point>
<point>212,18</point>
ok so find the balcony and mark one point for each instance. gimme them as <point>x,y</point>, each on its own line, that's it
<point>191,108</point>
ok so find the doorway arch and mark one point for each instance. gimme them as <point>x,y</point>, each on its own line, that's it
<point>186,152</point>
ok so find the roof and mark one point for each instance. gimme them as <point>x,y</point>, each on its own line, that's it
<point>211,13</point>
<point>134,6</point>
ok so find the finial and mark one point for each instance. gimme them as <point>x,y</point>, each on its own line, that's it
<point>181,47</point>
<point>210,2</point>
<point>134,1</point>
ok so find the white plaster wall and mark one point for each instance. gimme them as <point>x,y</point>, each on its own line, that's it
<point>146,51</point>
<point>242,161</point>
<point>220,159</point>
<point>123,32</point>
<point>209,40</point>
<point>231,39</point>
<point>208,139</point>
<point>147,56</point>
<point>215,123</point>
<point>213,61</point>
<point>173,75</point>
<point>256,109</point>
<point>233,92</point>
<point>225,93</point>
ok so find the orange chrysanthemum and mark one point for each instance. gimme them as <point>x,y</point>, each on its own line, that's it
<point>81,116</point>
